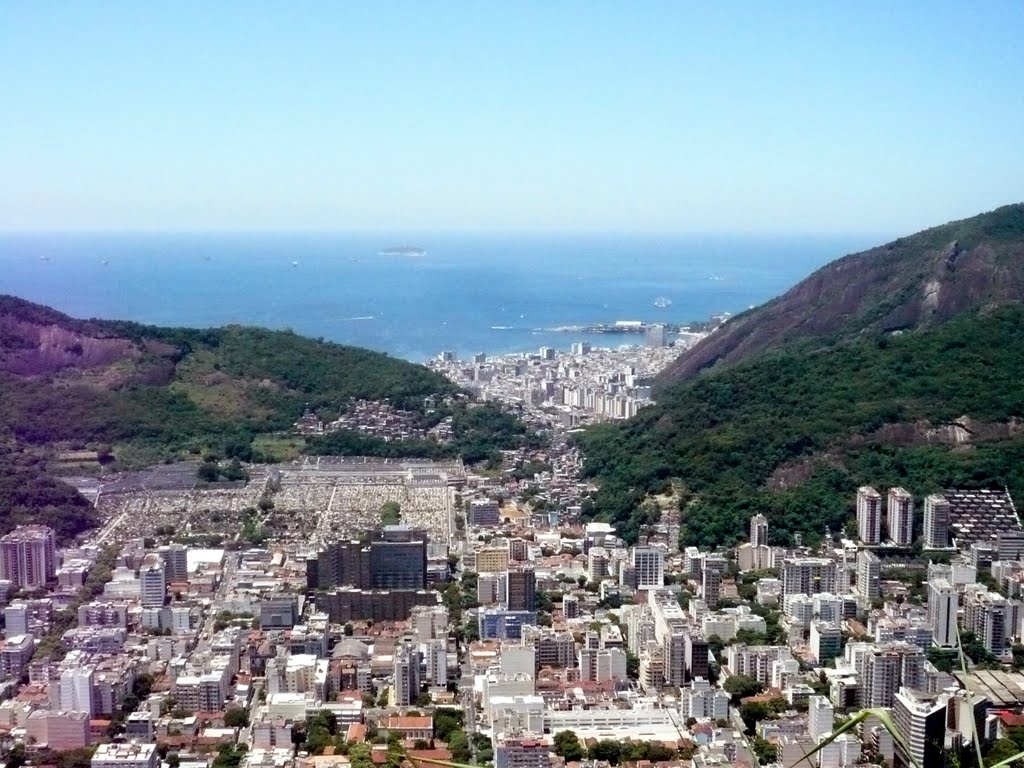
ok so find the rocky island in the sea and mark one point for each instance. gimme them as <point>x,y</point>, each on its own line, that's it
<point>403,250</point>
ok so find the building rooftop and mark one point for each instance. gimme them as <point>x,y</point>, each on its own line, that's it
<point>980,515</point>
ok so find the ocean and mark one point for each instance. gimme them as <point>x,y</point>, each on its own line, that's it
<point>472,292</point>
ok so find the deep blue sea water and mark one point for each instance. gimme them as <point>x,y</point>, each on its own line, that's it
<point>472,292</point>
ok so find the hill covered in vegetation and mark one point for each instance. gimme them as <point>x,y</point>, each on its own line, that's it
<point>915,282</point>
<point>138,394</point>
<point>792,431</point>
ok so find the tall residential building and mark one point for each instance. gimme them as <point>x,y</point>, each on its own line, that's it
<point>521,590</point>
<point>711,581</point>
<point>820,717</point>
<point>921,720</point>
<point>985,615</point>
<point>153,582</point>
<point>597,564</point>
<point>899,518</point>
<point>869,574</point>
<point>656,336</point>
<point>869,515</point>
<point>758,530</point>
<point>521,751</point>
<point>570,607</point>
<point>28,556</point>
<point>697,656</point>
<point>809,576</point>
<point>936,522</point>
<point>76,690</point>
<point>175,557</point>
<point>702,700</point>
<point>942,608</point>
<point>407,675</point>
<point>888,668</point>
<point>649,563</point>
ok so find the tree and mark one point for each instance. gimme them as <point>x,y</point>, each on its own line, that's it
<point>752,712</point>
<point>237,717</point>
<point>390,513</point>
<point>567,745</point>
<point>765,751</point>
<point>742,686</point>
<point>458,745</point>
<point>607,750</point>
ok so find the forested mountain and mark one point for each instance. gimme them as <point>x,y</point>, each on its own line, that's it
<point>139,394</point>
<point>915,282</point>
<point>888,389</point>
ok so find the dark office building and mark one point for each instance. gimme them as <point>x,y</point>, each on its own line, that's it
<point>521,590</point>
<point>395,558</point>
<point>346,604</point>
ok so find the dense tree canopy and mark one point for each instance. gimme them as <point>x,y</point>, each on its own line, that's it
<point>827,416</point>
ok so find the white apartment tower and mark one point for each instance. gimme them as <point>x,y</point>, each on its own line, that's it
<point>942,608</point>
<point>809,576</point>
<point>936,522</point>
<point>869,574</point>
<point>76,693</point>
<point>153,582</point>
<point>28,556</point>
<point>649,563</point>
<point>869,515</point>
<point>407,675</point>
<point>759,530</point>
<point>820,717</point>
<point>900,517</point>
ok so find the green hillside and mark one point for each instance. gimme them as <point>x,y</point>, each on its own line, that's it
<point>139,394</point>
<point>793,434</point>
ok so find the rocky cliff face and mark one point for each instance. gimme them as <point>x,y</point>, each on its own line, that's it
<point>914,282</point>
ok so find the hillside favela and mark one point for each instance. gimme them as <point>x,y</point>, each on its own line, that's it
<point>375,391</point>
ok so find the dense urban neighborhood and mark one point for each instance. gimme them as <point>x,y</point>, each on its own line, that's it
<point>334,611</point>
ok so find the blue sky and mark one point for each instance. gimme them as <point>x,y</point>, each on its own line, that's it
<point>719,117</point>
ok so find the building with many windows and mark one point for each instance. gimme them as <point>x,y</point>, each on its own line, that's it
<point>869,515</point>
<point>649,564</point>
<point>28,556</point>
<point>900,517</point>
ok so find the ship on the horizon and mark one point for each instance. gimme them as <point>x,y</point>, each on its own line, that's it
<point>402,250</point>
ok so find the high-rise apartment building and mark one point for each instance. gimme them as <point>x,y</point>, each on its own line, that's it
<point>869,515</point>
<point>711,579</point>
<point>985,616</point>
<point>809,576</point>
<point>759,530</point>
<point>820,717</point>
<point>28,556</point>
<point>920,719</point>
<point>407,675</point>
<point>936,522</point>
<point>942,607</point>
<point>889,667</point>
<point>899,518</point>
<point>175,557</point>
<point>649,564</point>
<point>152,582</point>
<point>869,575</point>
